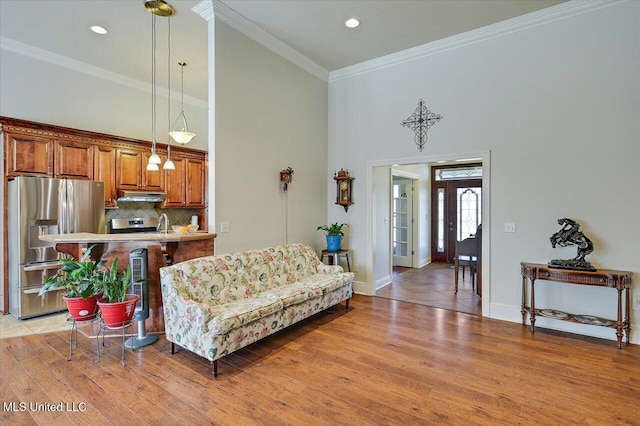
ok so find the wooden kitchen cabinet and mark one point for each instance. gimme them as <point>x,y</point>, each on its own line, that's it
<point>73,159</point>
<point>186,184</point>
<point>195,183</point>
<point>175,184</point>
<point>128,169</point>
<point>28,155</point>
<point>152,180</point>
<point>105,171</point>
<point>132,173</point>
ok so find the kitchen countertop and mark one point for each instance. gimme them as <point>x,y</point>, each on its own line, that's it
<point>86,237</point>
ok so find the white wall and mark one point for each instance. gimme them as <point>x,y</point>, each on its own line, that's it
<point>270,115</point>
<point>557,107</point>
<point>381,230</point>
<point>55,93</point>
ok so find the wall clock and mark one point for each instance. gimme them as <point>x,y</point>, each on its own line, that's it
<point>344,184</point>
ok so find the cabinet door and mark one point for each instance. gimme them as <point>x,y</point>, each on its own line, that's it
<point>28,155</point>
<point>105,171</point>
<point>195,188</point>
<point>175,184</point>
<point>152,180</point>
<point>128,169</point>
<point>73,160</point>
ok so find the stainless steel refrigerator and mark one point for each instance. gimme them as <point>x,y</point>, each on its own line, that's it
<point>38,206</point>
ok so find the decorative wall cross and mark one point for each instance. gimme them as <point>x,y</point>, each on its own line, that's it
<point>420,121</point>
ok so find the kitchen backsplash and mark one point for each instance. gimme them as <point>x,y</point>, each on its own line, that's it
<point>129,210</point>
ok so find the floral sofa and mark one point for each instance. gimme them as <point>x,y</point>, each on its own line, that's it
<point>216,305</point>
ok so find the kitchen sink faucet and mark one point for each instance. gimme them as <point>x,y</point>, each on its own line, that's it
<point>163,220</point>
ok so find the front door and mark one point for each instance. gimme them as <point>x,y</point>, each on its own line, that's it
<point>456,208</point>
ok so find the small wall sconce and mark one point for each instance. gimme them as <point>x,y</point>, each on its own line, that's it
<point>286,176</point>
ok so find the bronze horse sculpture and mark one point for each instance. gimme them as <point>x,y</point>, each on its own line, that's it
<point>570,234</point>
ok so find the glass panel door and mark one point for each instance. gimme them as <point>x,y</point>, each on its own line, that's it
<point>402,221</point>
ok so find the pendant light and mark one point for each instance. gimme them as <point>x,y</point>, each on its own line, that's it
<point>157,8</point>
<point>169,165</point>
<point>181,133</point>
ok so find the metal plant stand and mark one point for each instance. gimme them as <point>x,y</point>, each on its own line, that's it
<point>103,328</point>
<point>73,333</point>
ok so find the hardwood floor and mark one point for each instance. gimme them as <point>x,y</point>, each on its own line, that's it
<point>433,285</point>
<point>380,362</point>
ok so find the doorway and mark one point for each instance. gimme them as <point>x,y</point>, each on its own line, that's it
<point>396,282</point>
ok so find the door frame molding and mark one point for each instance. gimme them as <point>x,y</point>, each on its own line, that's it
<point>481,156</point>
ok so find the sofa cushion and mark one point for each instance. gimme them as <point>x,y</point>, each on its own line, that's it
<point>294,293</point>
<point>241,312</point>
<point>327,282</point>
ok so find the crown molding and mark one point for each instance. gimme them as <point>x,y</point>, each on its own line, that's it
<point>205,9</point>
<point>238,22</point>
<point>510,26</point>
<point>24,49</point>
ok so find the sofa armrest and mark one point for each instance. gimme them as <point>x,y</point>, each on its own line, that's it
<point>185,321</point>
<point>329,269</point>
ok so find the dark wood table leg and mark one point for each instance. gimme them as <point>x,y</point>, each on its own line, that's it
<point>523,309</point>
<point>627,320</point>
<point>532,313</point>
<point>456,265</point>
<point>619,325</point>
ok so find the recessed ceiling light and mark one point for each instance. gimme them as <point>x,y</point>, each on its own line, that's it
<point>98,29</point>
<point>352,23</point>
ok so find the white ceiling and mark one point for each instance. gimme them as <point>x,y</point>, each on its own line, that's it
<point>315,28</point>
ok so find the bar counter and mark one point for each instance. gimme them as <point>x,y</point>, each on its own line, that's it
<point>163,249</point>
<point>88,238</point>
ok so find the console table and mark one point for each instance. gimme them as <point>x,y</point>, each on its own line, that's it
<point>620,280</point>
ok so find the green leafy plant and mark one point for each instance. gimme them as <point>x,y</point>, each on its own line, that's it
<point>114,285</point>
<point>80,277</point>
<point>334,229</point>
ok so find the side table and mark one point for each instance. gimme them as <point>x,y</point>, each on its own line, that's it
<point>618,280</point>
<point>335,256</point>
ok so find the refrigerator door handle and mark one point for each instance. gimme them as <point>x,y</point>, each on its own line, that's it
<point>37,290</point>
<point>43,267</point>
<point>64,206</point>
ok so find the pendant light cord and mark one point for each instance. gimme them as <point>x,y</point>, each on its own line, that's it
<point>169,88</point>
<point>153,80</point>
<point>182,64</point>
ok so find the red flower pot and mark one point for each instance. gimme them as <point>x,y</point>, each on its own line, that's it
<point>118,314</point>
<point>82,309</point>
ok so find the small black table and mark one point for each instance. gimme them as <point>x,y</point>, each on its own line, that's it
<point>335,255</point>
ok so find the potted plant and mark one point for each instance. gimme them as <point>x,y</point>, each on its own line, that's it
<point>117,306</point>
<point>334,235</point>
<point>81,279</point>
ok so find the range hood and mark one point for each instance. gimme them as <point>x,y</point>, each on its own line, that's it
<point>142,196</point>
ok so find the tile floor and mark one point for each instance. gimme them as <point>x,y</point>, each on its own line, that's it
<point>11,327</point>
<point>433,285</point>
